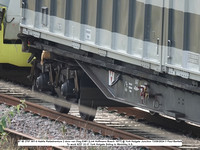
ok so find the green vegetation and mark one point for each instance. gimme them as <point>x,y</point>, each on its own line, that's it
<point>6,120</point>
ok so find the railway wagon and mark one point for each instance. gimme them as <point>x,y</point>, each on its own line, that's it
<point>10,44</point>
<point>117,52</point>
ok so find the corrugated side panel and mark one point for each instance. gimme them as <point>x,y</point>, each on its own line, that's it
<point>159,35</point>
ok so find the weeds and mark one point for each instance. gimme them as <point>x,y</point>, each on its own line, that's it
<point>6,119</point>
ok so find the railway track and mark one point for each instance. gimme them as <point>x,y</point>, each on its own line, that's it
<point>141,127</point>
<point>73,120</point>
<point>69,119</point>
<point>102,117</point>
<point>20,136</point>
<point>15,74</point>
<point>158,120</point>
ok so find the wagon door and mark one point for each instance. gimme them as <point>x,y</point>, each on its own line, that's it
<point>181,38</point>
<point>146,30</point>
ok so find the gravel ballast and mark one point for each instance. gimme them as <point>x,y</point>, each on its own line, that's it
<point>44,128</point>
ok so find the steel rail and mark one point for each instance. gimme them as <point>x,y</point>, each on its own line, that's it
<point>158,119</point>
<point>21,136</point>
<point>72,120</point>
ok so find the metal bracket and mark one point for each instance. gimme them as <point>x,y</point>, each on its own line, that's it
<point>76,45</point>
<point>45,16</point>
<point>158,41</point>
<point>169,55</point>
<point>116,80</point>
<point>182,74</point>
<point>23,10</point>
<point>145,65</point>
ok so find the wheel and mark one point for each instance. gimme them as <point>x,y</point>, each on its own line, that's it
<point>87,112</point>
<point>58,108</point>
<point>62,109</point>
<point>88,97</point>
<point>91,112</point>
<point>67,108</point>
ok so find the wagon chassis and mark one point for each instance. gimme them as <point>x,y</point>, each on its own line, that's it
<point>94,64</point>
<point>110,64</point>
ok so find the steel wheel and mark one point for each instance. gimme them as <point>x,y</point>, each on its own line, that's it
<point>58,108</point>
<point>91,112</point>
<point>62,109</point>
